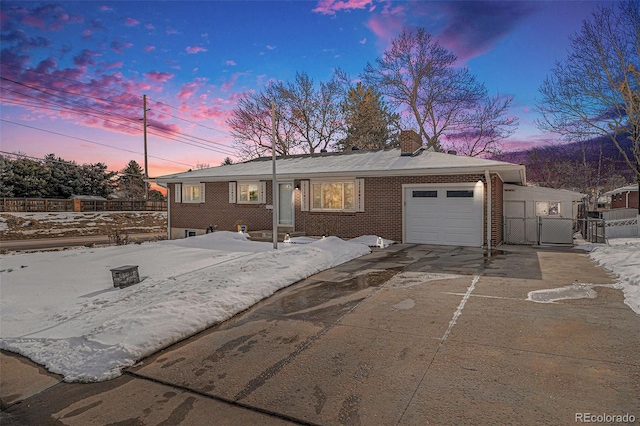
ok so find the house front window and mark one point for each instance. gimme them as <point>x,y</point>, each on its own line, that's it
<point>249,192</point>
<point>192,193</point>
<point>333,196</point>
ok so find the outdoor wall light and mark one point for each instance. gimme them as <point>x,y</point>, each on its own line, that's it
<point>298,187</point>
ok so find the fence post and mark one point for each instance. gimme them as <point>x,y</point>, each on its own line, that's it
<point>604,231</point>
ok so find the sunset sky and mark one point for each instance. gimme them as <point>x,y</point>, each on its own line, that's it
<point>74,73</point>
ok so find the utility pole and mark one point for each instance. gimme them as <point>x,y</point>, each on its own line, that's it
<point>146,165</point>
<point>274,184</point>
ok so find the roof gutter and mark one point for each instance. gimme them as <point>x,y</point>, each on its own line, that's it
<point>355,173</point>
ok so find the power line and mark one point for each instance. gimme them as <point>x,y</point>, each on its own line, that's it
<point>189,121</point>
<point>220,150</point>
<point>47,160</point>
<point>112,101</point>
<point>195,143</point>
<point>93,142</point>
<point>74,81</point>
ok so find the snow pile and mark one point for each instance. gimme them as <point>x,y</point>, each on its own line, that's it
<point>622,257</point>
<point>372,241</point>
<point>60,308</point>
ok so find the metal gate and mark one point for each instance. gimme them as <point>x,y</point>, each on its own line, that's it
<point>551,230</point>
<point>520,230</point>
<point>555,230</point>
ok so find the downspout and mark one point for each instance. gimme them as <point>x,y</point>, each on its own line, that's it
<point>488,179</point>
<point>626,202</point>
<point>168,209</point>
<point>168,213</point>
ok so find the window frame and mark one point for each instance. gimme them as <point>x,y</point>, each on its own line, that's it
<point>549,209</point>
<point>258,186</point>
<point>186,191</point>
<point>323,182</point>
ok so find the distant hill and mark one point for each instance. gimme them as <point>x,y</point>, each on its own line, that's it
<point>594,150</point>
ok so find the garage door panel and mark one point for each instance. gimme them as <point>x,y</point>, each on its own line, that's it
<point>443,220</point>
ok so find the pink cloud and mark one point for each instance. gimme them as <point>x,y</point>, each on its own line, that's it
<point>149,26</point>
<point>47,65</point>
<point>195,49</point>
<point>105,9</point>
<point>85,58</point>
<point>119,47</point>
<point>269,47</point>
<point>231,63</point>
<point>363,41</point>
<point>225,87</point>
<point>87,33</point>
<point>130,22</point>
<point>330,7</point>
<point>474,28</point>
<point>171,31</point>
<point>187,90</point>
<point>159,76</point>
<point>112,65</point>
<point>149,48</point>
<point>385,29</point>
<point>34,21</point>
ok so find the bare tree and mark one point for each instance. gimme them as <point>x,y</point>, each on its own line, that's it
<point>595,91</point>
<point>251,125</point>
<point>581,166</point>
<point>313,113</point>
<point>484,127</point>
<point>417,73</point>
<point>308,118</point>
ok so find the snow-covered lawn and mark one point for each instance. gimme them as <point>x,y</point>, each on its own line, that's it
<point>622,257</point>
<point>61,310</point>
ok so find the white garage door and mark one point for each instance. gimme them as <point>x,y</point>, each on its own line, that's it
<point>443,215</point>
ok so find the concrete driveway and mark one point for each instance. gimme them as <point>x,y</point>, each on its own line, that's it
<point>409,335</point>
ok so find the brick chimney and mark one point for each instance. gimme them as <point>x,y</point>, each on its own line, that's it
<point>410,141</point>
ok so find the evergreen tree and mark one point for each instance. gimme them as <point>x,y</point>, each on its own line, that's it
<point>98,180</point>
<point>370,123</point>
<point>6,177</point>
<point>64,178</point>
<point>29,178</point>
<point>131,181</point>
<point>155,195</point>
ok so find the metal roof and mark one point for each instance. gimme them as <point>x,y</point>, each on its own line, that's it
<point>352,163</point>
<point>627,188</point>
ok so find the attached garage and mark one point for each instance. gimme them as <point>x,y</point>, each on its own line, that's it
<point>443,214</point>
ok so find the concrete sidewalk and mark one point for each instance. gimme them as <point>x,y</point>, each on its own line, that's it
<point>410,335</point>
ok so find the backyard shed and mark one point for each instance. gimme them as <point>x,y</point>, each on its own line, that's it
<point>534,214</point>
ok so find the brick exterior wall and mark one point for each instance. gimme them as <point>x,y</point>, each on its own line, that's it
<point>382,215</point>
<point>218,211</point>
<point>619,201</point>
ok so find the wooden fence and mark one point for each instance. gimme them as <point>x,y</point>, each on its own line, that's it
<point>55,205</point>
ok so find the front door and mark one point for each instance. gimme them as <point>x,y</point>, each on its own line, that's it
<point>285,204</point>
